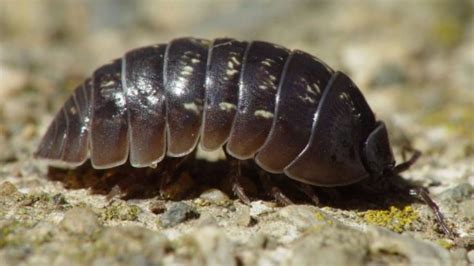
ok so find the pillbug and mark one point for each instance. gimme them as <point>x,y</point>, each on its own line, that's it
<point>287,110</point>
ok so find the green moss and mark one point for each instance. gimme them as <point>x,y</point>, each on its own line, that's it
<point>185,246</point>
<point>38,197</point>
<point>394,219</point>
<point>456,118</point>
<point>42,239</point>
<point>7,231</point>
<point>81,205</point>
<point>119,210</point>
<point>448,31</point>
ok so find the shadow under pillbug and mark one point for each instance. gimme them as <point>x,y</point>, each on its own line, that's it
<point>286,109</point>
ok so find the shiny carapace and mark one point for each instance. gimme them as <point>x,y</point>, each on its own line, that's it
<point>287,110</point>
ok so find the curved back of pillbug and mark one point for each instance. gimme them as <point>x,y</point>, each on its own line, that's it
<point>184,75</point>
<point>222,91</point>
<point>287,110</point>
<point>299,93</point>
<point>261,73</point>
<point>109,126</point>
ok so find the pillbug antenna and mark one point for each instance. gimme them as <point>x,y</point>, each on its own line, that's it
<point>423,194</point>
<point>407,164</point>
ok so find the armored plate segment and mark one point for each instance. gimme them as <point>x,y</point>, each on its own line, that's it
<point>302,83</point>
<point>75,146</point>
<point>145,93</point>
<point>184,76</point>
<point>342,122</point>
<point>222,90</point>
<point>109,127</point>
<point>52,142</point>
<point>262,68</point>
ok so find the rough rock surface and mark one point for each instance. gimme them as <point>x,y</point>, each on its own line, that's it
<point>414,61</point>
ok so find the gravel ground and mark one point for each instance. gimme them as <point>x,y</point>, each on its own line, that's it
<point>414,61</point>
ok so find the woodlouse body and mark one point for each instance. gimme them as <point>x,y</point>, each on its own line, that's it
<point>286,109</point>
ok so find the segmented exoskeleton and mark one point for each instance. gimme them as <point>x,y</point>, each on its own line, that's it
<point>287,109</point>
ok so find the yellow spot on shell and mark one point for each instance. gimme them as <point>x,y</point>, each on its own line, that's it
<point>192,107</point>
<point>263,113</point>
<point>225,106</point>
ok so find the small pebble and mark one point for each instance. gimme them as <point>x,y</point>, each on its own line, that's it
<point>58,199</point>
<point>459,255</point>
<point>42,232</point>
<point>212,247</point>
<point>470,256</point>
<point>306,256</point>
<point>206,219</point>
<point>7,189</point>
<point>177,213</point>
<point>126,245</point>
<point>80,221</point>
<point>418,252</point>
<point>304,217</point>
<point>458,193</point>
<point>157,207</point>
<point>466,208</point>
<point>214,195</point>
<point>242,215</point>
<point>259,207</point>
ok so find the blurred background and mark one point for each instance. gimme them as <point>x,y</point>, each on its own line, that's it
<point>414,60</point>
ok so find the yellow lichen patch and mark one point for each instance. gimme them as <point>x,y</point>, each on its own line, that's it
<point>319,216</point>
<point>445,243</point>
<point>457,119</point>
<point>201,202</point>
<point>7,233</point>
<point>395,219</point>
<point>119,210</point>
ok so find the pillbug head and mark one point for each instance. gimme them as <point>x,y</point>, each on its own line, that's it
<point>377,154</point>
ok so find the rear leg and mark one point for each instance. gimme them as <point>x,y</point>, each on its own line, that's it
<point>308,190</point>
<point>270,187</point>
<point>235,175</point>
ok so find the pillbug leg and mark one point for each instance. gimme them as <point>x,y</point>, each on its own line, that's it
<point>308,191</point>
<point>423,194</point>
<point>236,176</point>
<point>273,189</point>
